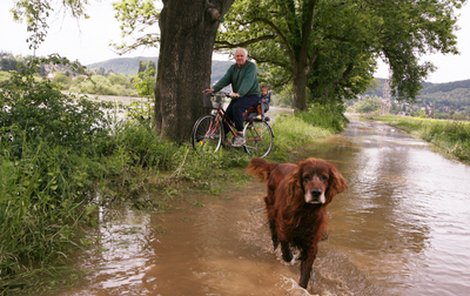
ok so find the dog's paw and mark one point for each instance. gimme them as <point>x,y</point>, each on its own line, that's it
<point>287,257</point>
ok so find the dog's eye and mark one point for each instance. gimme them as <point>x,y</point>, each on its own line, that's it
<point>306,178</point>
<point>324,178</point>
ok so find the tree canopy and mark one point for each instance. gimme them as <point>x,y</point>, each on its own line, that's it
<point>331,46</point>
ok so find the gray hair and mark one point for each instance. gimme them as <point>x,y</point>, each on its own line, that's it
<point>242,49</point>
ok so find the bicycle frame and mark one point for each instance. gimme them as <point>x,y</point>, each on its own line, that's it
<point>221,118</point>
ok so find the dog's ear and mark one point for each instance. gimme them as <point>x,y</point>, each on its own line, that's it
<point>295,183</point>
<point>337,183</point>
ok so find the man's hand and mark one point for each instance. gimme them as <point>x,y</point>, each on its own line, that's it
<point>208,90</point>
<point>234,95</point>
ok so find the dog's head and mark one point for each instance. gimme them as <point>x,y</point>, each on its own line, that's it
<point>318,181</point>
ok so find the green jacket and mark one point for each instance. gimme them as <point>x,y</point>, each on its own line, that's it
<point>244,80</point>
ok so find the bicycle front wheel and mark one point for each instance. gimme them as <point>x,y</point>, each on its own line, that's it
<point>207,134</point>
<point>259,138</point>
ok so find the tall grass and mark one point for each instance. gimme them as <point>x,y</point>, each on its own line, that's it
<point>453,137</point>
<point>326,116</point>
<point>296,131</point>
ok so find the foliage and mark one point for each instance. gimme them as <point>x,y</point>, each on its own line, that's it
<point>37,13</point>
<point>7,62</point>
<point>145,81</point>
<point>278,33</point>
<point>137,16</point>
<point>4,76</point>
<point>367,105</point>
<point>453,137</point>
<point>346,39</point>
<point>326,116</point>
<point>305,128</point>
<point>48,144</point>
<point>114,84</point>
<point>33,110</point>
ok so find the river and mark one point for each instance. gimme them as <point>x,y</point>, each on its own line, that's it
<point>401,228</point>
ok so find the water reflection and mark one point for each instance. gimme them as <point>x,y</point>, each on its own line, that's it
<point>119,262</point>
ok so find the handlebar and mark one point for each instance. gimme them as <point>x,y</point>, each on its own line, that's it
<point>220,93</point>
<point>223,94</point>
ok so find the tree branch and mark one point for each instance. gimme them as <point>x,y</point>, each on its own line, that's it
<point>285,41</point>
<point>227,44</point>
<point>277,63</point>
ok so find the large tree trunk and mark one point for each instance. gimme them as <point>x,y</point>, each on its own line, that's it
<point>300,84</point>
<point>301,68</point>
<point>188,30</point>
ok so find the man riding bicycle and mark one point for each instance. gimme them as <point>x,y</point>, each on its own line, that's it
<point>245,91</point>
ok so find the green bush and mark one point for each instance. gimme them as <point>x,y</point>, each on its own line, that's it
<point>367,105</point>
<point>326,116</point>
<point>144,147</point>
<point>50,145</point>
<point>304,128</point>
<point>33,111</point>
<point>43,198</point>
<point>62,81</point>
<point>114,85</point>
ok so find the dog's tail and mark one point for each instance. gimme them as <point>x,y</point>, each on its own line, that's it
<point>260,168</point>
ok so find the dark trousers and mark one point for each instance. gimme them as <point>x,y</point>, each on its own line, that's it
<point>236,108</point>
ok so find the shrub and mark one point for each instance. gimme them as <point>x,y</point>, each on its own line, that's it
<point>33,111</point>
<point>367,105</point>
<point>327,116</point>
<point>50,145</point>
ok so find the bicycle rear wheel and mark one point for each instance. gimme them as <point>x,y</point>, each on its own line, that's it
<point>259,138</point>
<point>207,134</point>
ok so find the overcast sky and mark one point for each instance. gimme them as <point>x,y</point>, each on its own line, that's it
<point>88,40</point>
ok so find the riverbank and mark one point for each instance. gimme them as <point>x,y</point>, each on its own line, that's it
<point>450,137</point>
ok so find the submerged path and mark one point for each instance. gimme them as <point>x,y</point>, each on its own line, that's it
<point>400,229</point>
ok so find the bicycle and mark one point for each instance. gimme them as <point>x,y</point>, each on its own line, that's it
<point>208,131</point>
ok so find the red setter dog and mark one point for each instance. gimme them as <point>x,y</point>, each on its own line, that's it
<point>296,205</point>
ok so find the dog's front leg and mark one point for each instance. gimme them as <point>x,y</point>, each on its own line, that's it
<point>306,266</point>
<point>274,238</point>
<point>286,252</point>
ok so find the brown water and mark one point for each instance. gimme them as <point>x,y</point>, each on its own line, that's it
<point>402,228</point>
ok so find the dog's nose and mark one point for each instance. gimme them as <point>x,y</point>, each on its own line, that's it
<point>316,193</point>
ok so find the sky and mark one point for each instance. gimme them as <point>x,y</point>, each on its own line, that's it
<point>88,40</point>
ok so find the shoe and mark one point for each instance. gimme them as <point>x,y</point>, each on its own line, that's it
<point>238,141</point>
<point>226,143</point>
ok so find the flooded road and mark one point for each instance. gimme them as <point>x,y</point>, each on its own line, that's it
<point>402,228</point>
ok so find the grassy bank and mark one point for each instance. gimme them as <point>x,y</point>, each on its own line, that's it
<point>63,157</point>
<point>452,137</point>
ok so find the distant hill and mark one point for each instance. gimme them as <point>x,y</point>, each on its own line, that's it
<point>457,89</point>
<point>126,66</point>
<point>447,100</point>
<point>130,66</point>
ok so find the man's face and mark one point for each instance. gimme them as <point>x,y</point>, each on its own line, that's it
<point>240,57</point>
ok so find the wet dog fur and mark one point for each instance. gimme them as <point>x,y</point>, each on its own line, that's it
<point>296,201</point>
